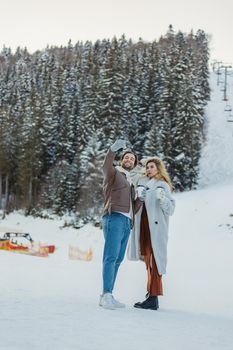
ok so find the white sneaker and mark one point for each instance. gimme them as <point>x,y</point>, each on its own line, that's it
<point>117,303</point>
<point>106,301</point>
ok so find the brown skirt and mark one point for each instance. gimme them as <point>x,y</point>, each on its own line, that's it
<point>154,280</point>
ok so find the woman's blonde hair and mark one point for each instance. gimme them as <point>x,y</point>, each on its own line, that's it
<point>162,172</point>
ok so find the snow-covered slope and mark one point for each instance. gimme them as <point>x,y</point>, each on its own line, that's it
<point>52,303</point>
<point>216,165</point>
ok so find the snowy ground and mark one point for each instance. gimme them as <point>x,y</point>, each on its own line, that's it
<point>52,303</point>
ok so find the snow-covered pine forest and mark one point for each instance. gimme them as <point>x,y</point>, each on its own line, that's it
<point>61,108</point>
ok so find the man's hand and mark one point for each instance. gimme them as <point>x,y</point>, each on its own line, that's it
<point>118,145</point>
<point>160,193</point>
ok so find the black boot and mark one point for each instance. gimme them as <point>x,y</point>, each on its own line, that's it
<point>140,302</point>
<point>150,303</point>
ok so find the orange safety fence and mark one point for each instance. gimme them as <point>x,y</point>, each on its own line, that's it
<point>75,253</point>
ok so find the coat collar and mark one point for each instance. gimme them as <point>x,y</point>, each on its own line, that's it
<point>150,184</point>
<point>124,171</point>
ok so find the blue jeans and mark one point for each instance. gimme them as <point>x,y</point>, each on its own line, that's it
<point>116,229</point>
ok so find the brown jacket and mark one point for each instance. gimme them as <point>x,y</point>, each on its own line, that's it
<point>117,190</point>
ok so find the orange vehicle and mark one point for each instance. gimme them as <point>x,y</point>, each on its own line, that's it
<point>23,243</point>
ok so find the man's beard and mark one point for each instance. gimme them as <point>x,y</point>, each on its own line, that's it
<point>128,168</point>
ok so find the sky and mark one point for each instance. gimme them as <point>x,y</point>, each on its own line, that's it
<point>38,23</point>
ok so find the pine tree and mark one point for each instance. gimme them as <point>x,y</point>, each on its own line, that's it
<point>110,86</point>
<point>91,177</point>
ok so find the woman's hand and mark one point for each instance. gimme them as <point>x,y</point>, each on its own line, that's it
<point>142,195</point>
<point>160,193</point>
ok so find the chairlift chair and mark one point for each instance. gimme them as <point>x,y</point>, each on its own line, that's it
<point>227,108</point>
<point>230,118</point>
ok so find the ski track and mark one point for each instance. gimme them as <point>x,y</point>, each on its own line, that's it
<point>216,164</point>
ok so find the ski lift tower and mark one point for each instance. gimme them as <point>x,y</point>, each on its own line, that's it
<point>225,67</point>
<point>216,68</point>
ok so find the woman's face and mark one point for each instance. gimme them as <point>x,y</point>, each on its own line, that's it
<point>151,169</point>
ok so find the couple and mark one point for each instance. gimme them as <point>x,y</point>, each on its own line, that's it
<point>145,211</point>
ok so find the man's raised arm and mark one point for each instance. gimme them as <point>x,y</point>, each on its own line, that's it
<point>108,168</point>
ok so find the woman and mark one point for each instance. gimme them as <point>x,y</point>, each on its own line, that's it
<point>149,238</point>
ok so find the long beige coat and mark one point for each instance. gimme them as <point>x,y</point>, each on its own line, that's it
<point>158,216</point>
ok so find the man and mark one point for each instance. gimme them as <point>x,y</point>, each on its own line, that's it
<point>119,208</point>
